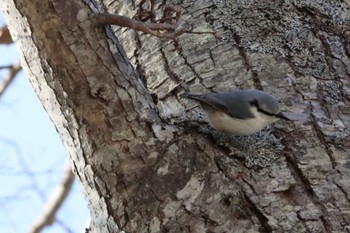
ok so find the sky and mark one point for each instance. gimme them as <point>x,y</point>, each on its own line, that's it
<point>32,159</point>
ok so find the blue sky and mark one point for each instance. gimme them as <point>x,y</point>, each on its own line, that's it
<point>32,158</point>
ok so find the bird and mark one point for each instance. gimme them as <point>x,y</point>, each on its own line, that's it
<point>239,112</point>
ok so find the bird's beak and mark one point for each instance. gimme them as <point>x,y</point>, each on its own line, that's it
<point>282,116</point>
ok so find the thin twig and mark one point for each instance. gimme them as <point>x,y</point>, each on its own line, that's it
<point>5,36</point>
<point>53,205</point>
<point>166,27</point>
<point>14,69</point>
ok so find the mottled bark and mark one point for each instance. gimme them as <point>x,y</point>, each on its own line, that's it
<point>145,158</point>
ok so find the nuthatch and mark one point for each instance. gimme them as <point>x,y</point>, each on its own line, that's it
<point>240,112</point>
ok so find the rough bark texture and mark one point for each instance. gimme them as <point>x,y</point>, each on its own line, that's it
<point>143,163</point>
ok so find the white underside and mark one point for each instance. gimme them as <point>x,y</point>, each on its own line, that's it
<point>232,126</point>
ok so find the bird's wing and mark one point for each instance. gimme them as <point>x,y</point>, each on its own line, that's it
<point>227,104</point>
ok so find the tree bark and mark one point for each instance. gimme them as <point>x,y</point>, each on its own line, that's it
<point>146,160</point>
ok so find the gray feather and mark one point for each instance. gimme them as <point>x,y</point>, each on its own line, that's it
<point>237,104</point>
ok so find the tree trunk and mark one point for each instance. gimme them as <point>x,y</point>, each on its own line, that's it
<point>145,159</point>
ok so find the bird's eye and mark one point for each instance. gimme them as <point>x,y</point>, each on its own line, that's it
<point>254,103</point>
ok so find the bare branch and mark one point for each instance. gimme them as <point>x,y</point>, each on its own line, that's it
<point>123,21</point>
<point>14,69</point>
<point>47,217</point>
<point>5,36</point>
<point>144,15</point>
<point>168,23</point>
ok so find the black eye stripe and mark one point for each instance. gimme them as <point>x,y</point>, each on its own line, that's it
<point>278,115</point>
<point>256,104</point>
